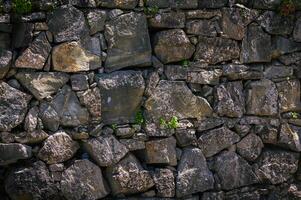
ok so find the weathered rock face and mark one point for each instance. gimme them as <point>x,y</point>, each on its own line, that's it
<point>67,23</point>
<point>216,140</point>
<point>126,4</point>
<point>31,182</point>
<point>173,98</point>
<point>164,182</point>
<point>276,166</point>
<point>128,177</point>
<point>289,95</point>
<point>11,153</point>
<point>128,42</point>
<point>206,27</point>
<point>244,72</point>
<point>290,137</point>
<point>193,174</point>
<point>83,180</point>
<point>297,31</point>
<point>49,117</point>
<point>96,20</point>
<point>5,62</point>
<point>121,95</point>
<point>168,20</point>
<point>250,147</point>
<point>32,137</point>
<point>204,76</point>
<point>262,98</point>
<point>13,106</point>
<point>172,46</point>
<point>57,148</point>
<point>105,150</point>
<point>36,54</point>
<point>212,3</point>
<point>42,84</point>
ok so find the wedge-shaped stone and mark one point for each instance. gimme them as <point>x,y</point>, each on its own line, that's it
<point>168,20</point>
<point>250,147</point>
<point>289,95</point>
<point>11,153</point>
<point>33,137</point>
<point>290,137</point>
<point>5,62</point>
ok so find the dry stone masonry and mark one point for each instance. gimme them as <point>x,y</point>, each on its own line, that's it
<point>150,99</point>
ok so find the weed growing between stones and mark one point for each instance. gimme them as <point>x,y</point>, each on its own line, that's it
<point>172,124</point>
<point>185,63</point>
<point>139,118</point>
<point>151,10</point>
<point>21,6</point>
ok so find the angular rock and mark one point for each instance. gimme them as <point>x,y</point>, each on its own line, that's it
<point>57,148</point>
<point>184,4</point>
<point>282,45</point>
<point>42,84</point>
<point>5,62</point>
<point>13,106</point>
<point>50,118</point>
<point>21,37</point>
<point>79,82</point>
<point>209,123</point>
<point>128,41</point>
<point>96,20</point>
<point>83,180</point>
<point>175,72</point>
<point>230,99</point>
<point>268,5</point>
<point>172,46</point>
<point>161,151</point>
<point>173,98</point>
<point>205,27</point>
<point>124,131</point>
<point>128,177</point>
<point>32,137</point>
<point>11,153</point>
<point>125,4</point>
<point>233,171</point>
<point>133,144</point>
<point>290,137</point>
<point>212,3</point>
<point>185,137</point>
<point>6,137</point>
<point>277,73</point>
<point>168,20</point>
<point>202,76</point>
<point>297,31</point>
<point>267,134</point>
<point>216,50</point>
<point>202,14</point>
<point>164,183</point>
<point>293,58</point>
<point>36,54</point>
<point>158,3</point>
<point>121,95</point>
<point>193,174</point>
<point>256,45</point>
<point>67,23</point>
<point>31,119</point>
<point>91,99</point>
<point>250,147</point>
<point>262,98</point>
<point>216,140</point>
<point>289,95</point>
<point>31,182</point>
<point>276,166</point>
<point>237,72</point>
<point>74,57</point>
<point>105,150</point>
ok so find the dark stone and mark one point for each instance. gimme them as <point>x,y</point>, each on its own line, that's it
<point>289,95</point>
<point>50,118</point>
<point>176,72</point>
<point>5,62</point>
<point>290,137</point>
<point>158,3</point>
<point>32,137</point>
<point>164,183</point>
<point>31,119</point>
<point>282,45</point>
<point>96,20</point>
<point>22,34</point>
<point>202,14</point>
<point>268,5</point>
<point>277,73</point>
<point>205,27</point>
<point>125,4</point>
<point>133,144</point>
<point>204,76</point>
<point>297,31</point>
<point>213,3</point>
<point>250,147</point>
<point>79,82</point>
<point>185,137</point>
<point>209,123</point>
<point>11,153</point>
<point>184,4</point>
<point>167,20</point>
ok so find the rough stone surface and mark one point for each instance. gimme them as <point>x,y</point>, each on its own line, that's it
<point>289,95</point>
<point>57,148</point>
<point>193,174</point>
<point>210,77</point>
<point>297,31</point>
<point>83,180</point>
<point>50,118</point>
<point>290,137</point>
<point>205,27</point>
<point>11,153</point>
<point>32,137</point>
<point>79,82</point>
<point>172,46</point>
<point>5,62</point>
<point>244,72</point>
<point>250,147</point>
<point>126,4</point>
<point>168,20</point>
<point>212,3</point>
<point>96,20</point>
<point>105,150</point>
<point>164,182</point>
<point>216,140</point>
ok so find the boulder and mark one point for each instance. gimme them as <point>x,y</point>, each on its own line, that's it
<point>172,46</point>
<point>158,3</point>
<point>193,175</point>
<point>57,148</point>
<point>266,5</point>
<point>50,118</point>
<point>5,62</point>
<point>283,45</point>
<point>133,144</point>
<point>167,20</point>
<point>105,150</point>
<point>164,182</point>
<point>244,72</point>
<point>216,140</point>
<point>96,20</point>
<point>11,153</point>
<point>185,137</point>
<point>21,36</point>
<point>128,42</point>
<point>31,120</point>
<point>289,95</point>
<point>216,50</point>
<point>184,4</point>
<point>277,73</point>
<point>32,137</point>
<point>204,76</point>
<point>36,54</point>
<point>250,147</point>
<point>79,82</point>
<point>175,72</point>
<point>83,180</point>
<point>121,95</point>
<point>13,106</point>
<point>42,84</point>
<point>204,27</point>
<point>202,14</point>
<point>290,137</point>
<point>125,4</point>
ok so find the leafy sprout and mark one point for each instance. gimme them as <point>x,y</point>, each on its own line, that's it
<point>172,124</point>
<point>294,115</point>
<point>151,10</point>
<point>21,6</point>
<point>139,118</point>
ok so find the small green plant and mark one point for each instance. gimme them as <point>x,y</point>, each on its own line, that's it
<point>185,63</point>
<point>114,127</point>
<point>151,10</point>
<point>21,6</point>
<point>294,115</point>
<point>139,118</point>
<point>172,124</point>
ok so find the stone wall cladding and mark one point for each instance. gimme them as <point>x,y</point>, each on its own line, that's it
<point>150,99</point>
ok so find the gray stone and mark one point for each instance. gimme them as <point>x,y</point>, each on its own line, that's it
<point>237,72</point>
<point>172,46</point>
<point>267,134</point>
<point>128,41</point>
<point>292,58</point>
<point>212,3</point>
<point>151,83</point>
<point>297,31</point>
<point>5,62</point>
<point>290,137</point>
<point>250,147</point>
<point>256,45</point>
<point>32,137</point>
<point>67,23</point>
<point>204,76</point>
<point>230,99</point>
<point>133,144</point>
<point>158,3</point>
<point>13,106</point>
<point>216,50</point>
<point>209,123</point>
<point>84,4</point>
<point>283,45</point>
<point>202,14</point>
<point>42,84</point>
<point>79,82</point>
<point>96,20</point>
<point>83,180</point>
<point>268,5</point>
<point>36,54</point>
<point>168,20</point>
<point>6,137</point>
<point>11,153</point>
<point>185,137</point>
<point>164,183</point>
<point>161,151</point>
<point>205,27</point>
<point>128,177</point>
<point>184,4</point>
<point>175,72</point>
<point>156,130</point>
<point>276,166</point>
<point>105,150</point>
<point>262,98</point>
<point>289,95</point>
<point>57,148</point>
<point>173,98</point>
<point>213,196</point>
<point>50,118</point>
<point>233,171</point>
<point>216,140</point>
<point>125,4</point>
<point>278,72</point>
<point>31,119</point>
<point>121,95</point>
<point>124,131</point>
<point>21,35</point>
<point>32,182</point>
<point>193,174</point>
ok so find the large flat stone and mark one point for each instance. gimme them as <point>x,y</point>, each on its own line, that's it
<point>168,20</point>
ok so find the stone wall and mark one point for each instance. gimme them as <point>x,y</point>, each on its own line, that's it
<point>180,99</point>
